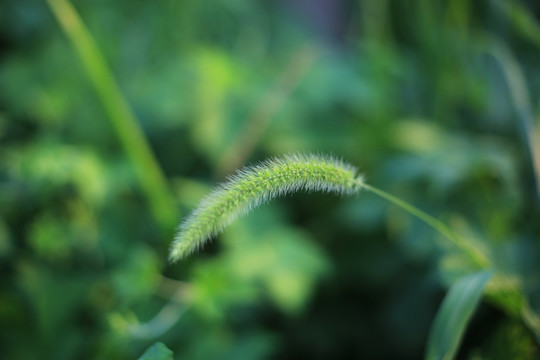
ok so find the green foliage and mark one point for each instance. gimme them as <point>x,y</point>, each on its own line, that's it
<point>158,351</point>
<point>453,316</point>
<point>509,341</point>
<point>115,116</point>
<point>263,257</point>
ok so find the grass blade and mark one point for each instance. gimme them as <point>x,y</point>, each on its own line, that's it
<point>121,116</point>
<point>455,312</point>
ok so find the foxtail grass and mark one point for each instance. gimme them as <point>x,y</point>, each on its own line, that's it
<point>252,186</point>
<point>259,184</point>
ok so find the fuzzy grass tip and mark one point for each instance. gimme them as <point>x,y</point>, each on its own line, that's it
<point>252,186</point>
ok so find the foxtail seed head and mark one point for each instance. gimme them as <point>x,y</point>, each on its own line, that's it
<point>255,185</point>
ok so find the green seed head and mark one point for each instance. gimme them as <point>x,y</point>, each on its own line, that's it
<point>252,186</point>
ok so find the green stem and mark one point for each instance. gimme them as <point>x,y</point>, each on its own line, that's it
<point>519,96</point>
<point>507,293</point>
<point>119,113</point>
<point>477,256</point>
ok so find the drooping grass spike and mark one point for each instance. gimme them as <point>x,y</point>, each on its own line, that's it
<point>255,185</point>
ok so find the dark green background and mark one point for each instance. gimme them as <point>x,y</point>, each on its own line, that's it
<point>415,93</point>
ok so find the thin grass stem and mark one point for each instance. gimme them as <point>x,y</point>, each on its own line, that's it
<point>119,113</point>
<point>474,254</point>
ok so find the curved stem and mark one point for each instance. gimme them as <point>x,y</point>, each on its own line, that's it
<point>477,256</point>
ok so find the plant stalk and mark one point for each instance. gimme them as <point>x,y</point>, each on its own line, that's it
<point>119,113</point>
<point>479,258</point>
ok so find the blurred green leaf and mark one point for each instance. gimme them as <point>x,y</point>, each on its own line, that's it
<point>522,19</point>
<point>285,261</point>
<point>137,276</point>
<point>49,166</point>
<point>452,318</point>
<point>158,351</point>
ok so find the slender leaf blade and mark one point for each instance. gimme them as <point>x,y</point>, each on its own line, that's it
<point>454,314</point>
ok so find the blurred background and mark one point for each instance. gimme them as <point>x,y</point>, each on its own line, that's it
<point>117,117</point>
